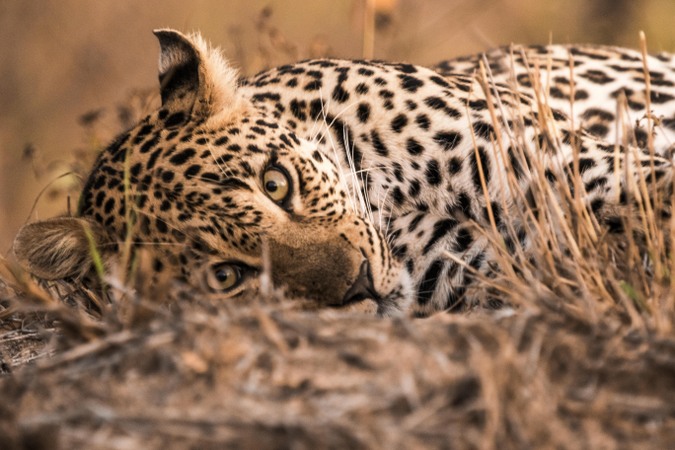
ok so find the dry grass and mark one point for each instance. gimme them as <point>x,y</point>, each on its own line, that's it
<point>587,360</point>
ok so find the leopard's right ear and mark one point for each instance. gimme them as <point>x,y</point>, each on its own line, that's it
<point>58,248</point>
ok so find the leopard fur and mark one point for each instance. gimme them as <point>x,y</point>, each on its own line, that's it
<point>393,171</point>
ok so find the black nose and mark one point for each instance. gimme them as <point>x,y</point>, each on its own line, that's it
<point>363,286</point>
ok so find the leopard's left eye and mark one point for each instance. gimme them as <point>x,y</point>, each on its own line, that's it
<point>277,184</point>
<point>225,277</point>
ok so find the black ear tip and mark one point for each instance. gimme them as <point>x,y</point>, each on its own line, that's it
<point>168,37</point>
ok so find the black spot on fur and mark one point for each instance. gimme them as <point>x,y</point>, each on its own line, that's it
<point>614,224</point>
<point>433,173</point>
<point>496,213</point>
<point>316,110</point>
<point>406,68</point>
<point>596,76</point>
<point>640,137</point>
<point>483,129</point>
<point>191,171</point>
<point>441,228</point>
<point>438,103</point>
<point>362,88</point>
<point>182,157</point>
<point>313,85</point>
<point>398,196</point>
<point>340,95</point>
<point>585,164</point>
<point>599,113</point>
<point>399,122</point>
<point>435,102</point>
<point>515,164</point>
<point>440,81</point>
<point>410,84</point>
<point>660,97</point>
<point>429,281</point>
<point>423,122</point>
<point>174,120</point>
<point>478,105</point>
<point>595,183</point>
<point>577,51</point>
<point>597,204</point>
<point>598,130</point>
<point>463,240</point>
<point>363,112</point>
<point>109,206</point>
<point>414,189</point>
<point>413,147</point>
<point>135,170</point>
<point>298,109</point>
<point>449,140</point>
<point>317,156</point>
<point>144,131</point>
<point>378,145</point>
<point>150,144</point>
<point>167,176</point>
<point>266,96</point>
<point>161,226</point>
<point>454,165</point>
<point>485,164</point>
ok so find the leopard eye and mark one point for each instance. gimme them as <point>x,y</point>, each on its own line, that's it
<point>224,277</point>
<point>277,184</point>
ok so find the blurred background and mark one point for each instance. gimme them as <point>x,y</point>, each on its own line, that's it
<point>74,73</point>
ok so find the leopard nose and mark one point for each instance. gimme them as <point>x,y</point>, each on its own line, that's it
<point>363,286</point>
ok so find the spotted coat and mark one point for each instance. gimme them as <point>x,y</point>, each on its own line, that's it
<point>394,171</point>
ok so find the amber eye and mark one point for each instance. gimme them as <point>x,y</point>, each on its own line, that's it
<point>276,184</point>
<point>224,277</point>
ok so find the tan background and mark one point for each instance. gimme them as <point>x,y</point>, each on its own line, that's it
<point>60,60</point>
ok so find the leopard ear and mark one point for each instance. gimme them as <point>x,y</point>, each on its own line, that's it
<point>194,78</point>
<point>57,248</point>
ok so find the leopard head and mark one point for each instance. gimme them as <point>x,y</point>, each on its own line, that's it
<point>220,192</point>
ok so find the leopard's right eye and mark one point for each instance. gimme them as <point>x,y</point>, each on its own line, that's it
<point>277,184</point>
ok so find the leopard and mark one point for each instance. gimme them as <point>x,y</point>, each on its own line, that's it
<point>351,181</point>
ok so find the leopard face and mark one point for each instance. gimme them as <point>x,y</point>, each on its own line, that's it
<point>218,192</point>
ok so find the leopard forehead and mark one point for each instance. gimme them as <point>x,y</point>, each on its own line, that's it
<point>190,177</point>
